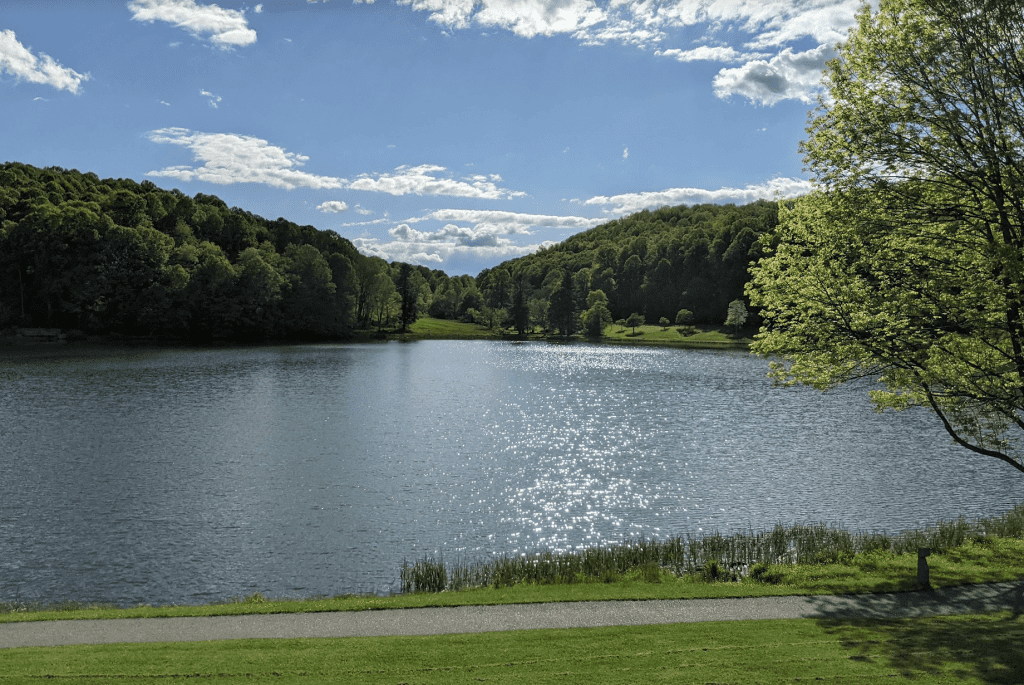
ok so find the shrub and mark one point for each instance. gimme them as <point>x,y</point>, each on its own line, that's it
<point>650,573</point>
<point>763,573</point>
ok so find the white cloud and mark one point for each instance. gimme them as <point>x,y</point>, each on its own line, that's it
<point>214,99</point>
<point>625,153</point>
<point>435,251</point>
<point>230,158</point>
<point>486,240</point>
<point>225,28</point>
<point>422,180</point>
<point>634,202</point>
<point>164,102</point>
<point>645,22</point>
<point>19,61</point>
<point>707,53</point>
<point>729,31</point>
<point>529,18</point>
<point>785,21</point>
<point>788,75</point>
<point>364,212</point>
<point>510,222</point>
<point>333,206</point>
<point>258,9</point>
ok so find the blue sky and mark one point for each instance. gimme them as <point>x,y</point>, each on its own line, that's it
<point>450,133</point>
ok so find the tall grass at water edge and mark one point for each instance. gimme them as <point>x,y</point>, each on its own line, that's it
<point>712,556</point>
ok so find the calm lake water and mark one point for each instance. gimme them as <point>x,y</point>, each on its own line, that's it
<point>195,475</point>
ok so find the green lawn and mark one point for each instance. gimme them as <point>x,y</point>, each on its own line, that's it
<point>965,649</point>
<point>428,328</point>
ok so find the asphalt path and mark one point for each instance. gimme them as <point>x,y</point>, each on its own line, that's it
<point>974,599</point>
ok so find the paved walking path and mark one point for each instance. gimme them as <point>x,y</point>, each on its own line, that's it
<point>975,599</point>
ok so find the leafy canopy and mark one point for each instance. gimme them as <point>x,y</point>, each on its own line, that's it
<point>906,263</point>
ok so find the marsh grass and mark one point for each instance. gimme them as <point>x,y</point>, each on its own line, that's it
<point>714,557</point>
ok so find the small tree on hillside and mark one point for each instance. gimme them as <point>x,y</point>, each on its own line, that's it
<point>635,320</point>
<point>683,317</point>
<point>597,315</point>
<point>737,315</point>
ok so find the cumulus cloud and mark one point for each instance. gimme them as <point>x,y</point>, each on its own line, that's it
<point>424,180</point>
<point>225,28</point>
<point>634,202</point>
<point>645,23</point>
<point>486,238</point>
<point>228,158</point>
<point>788,75</point>
<point>333,206</point>
<point>17,60</point>
<point>760,34</point>
<point>440,251</point>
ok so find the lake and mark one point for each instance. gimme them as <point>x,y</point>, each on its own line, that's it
<point>188,476</point>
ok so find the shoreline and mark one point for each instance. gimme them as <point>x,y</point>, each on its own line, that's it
<point>800,560</point>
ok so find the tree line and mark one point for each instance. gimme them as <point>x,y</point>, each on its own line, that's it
<point>117,257</point>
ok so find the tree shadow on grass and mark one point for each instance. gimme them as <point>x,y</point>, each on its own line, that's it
<point>980,644</point>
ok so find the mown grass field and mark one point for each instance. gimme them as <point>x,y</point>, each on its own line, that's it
<point>964,649</point>
<point>648,334</point>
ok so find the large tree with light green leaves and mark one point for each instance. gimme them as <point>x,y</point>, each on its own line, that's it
<point>907,262</point>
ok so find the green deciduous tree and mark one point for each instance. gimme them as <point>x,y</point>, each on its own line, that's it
<point>408,295</point>
<point>561,307</point>
<point>635,320</point>
<point>907,264</point>
<point>736,316</point>
<point>597,316</point>
<point>520,311</point>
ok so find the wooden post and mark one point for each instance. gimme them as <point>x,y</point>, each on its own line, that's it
<point>922,567</point>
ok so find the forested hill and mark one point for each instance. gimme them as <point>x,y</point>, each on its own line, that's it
<point>117,257</point>
<point>652,263</point>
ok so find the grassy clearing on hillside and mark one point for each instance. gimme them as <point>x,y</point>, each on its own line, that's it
<point>771,651</point>
<point>428,328</point>
<point>657,335</point>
